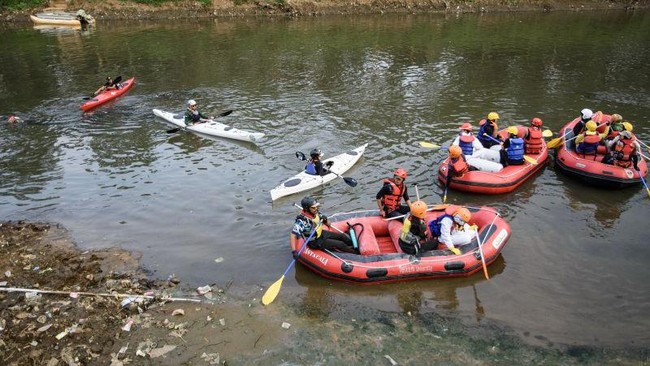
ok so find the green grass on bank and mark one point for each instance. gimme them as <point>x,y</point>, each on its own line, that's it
<point>17,5</point>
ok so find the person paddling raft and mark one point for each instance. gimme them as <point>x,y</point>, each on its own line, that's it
<point>193,115</point>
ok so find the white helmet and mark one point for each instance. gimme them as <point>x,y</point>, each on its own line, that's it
<point>191,102</point>
<point>586,113</point>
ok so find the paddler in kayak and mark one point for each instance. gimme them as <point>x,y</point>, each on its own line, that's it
<point>315,165</point>
<point>108,85</point>
<point>193,115</point>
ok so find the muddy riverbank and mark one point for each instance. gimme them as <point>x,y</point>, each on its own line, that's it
<point>113,9</point>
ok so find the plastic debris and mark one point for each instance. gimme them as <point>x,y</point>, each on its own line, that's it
<point>3,284</point>
<point>43,328</point>
<point>157,352</point>
<point>204,289</point>
<point>286,325</point>
<point>178,312</point>
<point>127,325</point>
<point>218,260</point>
<point>222,321</point>
<point>390,359</point>
<point>211,358</point>
<point>74,295</point>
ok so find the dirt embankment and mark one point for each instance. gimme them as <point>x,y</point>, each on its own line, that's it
<point>115,9</point>
<point>61,306</point>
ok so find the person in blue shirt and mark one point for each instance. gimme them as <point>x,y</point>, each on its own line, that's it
<point>315,165</point>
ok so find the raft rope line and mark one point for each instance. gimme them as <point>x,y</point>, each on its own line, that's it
<point>18,289</point>
<point>426,259</point>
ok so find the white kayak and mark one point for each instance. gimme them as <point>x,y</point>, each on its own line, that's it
<point>211,127</point>
<point>303,181</point>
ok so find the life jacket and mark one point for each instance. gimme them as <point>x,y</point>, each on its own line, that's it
<point>534,141</point>
<point>406,235</point>
<point>435,225</point>
<point>392,201</point>
<point>314,223</point>
<point>194,115</point>
<point>485,140</point>
<point>459,167</point>
<point>515,152</point>
<point>465,143</point>
<point>589,144</point>
<point>625,148</point>
<point>310,168</point>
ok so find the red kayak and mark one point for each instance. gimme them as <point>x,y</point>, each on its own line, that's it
<point>381,259</point>
<point>588,168</point>
<point>108,95</point>
<point>504,181</point>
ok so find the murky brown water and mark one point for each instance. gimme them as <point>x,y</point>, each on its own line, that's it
<point>574,271</point>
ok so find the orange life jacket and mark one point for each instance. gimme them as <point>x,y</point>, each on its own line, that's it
<point>459,166</point>
<point>534,141</point>
<point>393,200</point>
<point>625,147</point>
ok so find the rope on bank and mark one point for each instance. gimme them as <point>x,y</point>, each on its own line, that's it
<point>17,289</point>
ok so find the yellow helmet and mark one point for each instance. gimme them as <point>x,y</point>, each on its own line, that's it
<point>591,126</point>
<point>513,130</point>
<point>616,118</point>
<point>493,116</point>
<point>418,209</point>
<point>628,126</point>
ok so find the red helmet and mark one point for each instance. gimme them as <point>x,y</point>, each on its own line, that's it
<point>466,126</point>
<point>401,173</point>
<point>536,122</point>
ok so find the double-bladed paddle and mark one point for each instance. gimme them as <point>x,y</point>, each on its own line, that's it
<point>349,181</point>
<point>222,114</point>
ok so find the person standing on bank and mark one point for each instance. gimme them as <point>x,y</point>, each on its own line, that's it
<point>389,197</point>
<point>309,218</point>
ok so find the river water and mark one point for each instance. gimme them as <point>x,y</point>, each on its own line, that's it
<point>574,271</point>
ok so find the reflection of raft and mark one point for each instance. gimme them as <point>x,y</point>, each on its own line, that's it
<point>504,181</point>
<point>588,168</point>
<point>381,259</point>
<point>59,18</point>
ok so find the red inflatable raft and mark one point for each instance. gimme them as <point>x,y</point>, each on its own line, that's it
<point>381,259</point>
<point>588,168</point>
<point>504,181</point>
<point>108,95</point>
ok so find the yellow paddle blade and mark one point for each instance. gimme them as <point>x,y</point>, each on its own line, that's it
<point>429,145</point>
<point>556,142</point>
<point>530,160</point>
<point>272,292</point>
<point>547,133</point>
<point>439,207</point>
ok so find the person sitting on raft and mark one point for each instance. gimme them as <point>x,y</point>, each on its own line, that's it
<point>483,159</point>
<point>453,231</point>
<point>389,197</point>
<point>588,141</point>
<point>513,148</point>
<point>488,131</point>
<point>533,138</point>
<point>413,237</point>
<point>309,218</point>
<point>625,151</point>
<point>315,165</point>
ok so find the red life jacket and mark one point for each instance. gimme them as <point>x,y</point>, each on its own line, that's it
<point>534,141</point>
<point>393,200</point>
<point>459,167</point>
<point>626,147</point>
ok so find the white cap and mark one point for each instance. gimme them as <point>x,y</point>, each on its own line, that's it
<point>191,102</point>
<point>586,113</point>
